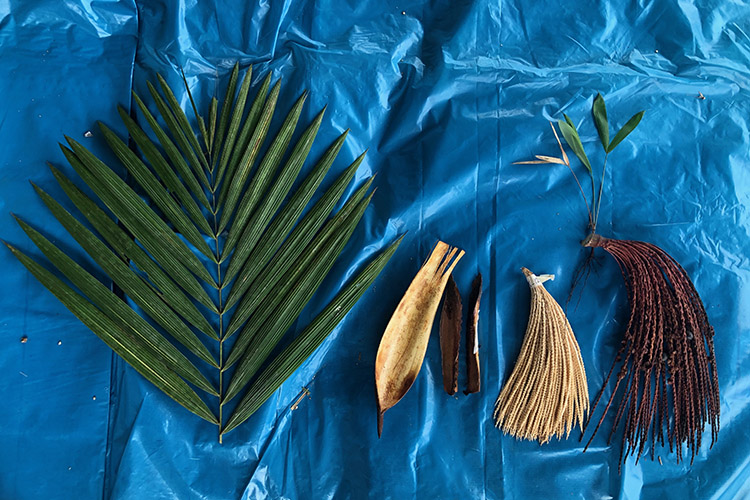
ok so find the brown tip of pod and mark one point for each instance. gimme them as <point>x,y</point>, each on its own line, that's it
<point>380,421</point>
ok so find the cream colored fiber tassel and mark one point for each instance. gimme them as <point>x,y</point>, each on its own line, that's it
<point>547,393</point>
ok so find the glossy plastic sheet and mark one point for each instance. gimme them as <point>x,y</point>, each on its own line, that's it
<point>446,96</point>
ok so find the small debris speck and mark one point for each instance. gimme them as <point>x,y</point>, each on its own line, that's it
<point>93,397</point>
<point>22,373</point>
<point>24,339</point>
<point>39,116</point>
<point>88,134</point>
<point>660,462</point>
<point>657,51</point>
<point>70,468</point>
<point>305,392</point>
<point>403,12</point>
<point>59,342</point>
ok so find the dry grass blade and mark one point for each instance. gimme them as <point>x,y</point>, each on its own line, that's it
<point>547,394</point>
<point>404,342</point>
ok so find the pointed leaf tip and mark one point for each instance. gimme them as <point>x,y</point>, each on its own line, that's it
<point>599,110</point>
<point>625,130</point>
<point>574,141</point>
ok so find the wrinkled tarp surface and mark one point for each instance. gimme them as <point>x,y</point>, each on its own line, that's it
<point>446,95</point>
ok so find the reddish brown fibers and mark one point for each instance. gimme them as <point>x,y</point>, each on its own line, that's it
<point>666,357</point>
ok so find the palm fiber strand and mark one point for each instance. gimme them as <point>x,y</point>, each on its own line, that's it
<point>547,394</point>
<point>666,357</point>
<point>473,372</point>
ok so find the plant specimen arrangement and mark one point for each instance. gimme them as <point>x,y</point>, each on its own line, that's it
<point>666,382</point>
<point>218,265</point>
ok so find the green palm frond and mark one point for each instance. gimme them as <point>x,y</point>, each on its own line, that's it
<point>208,247</point>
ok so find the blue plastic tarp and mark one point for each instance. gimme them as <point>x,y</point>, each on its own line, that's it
<point>446,95</point>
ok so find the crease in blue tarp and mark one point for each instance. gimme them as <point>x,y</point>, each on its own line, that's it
<point>446,95</point>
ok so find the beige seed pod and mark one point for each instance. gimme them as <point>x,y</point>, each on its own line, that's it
<point>404,342</point>
<point>547,394</point>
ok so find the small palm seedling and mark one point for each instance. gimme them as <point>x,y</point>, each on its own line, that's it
<point>666,357</point>
<point>218,264</point>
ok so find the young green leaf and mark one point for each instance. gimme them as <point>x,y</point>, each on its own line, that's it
<point>129,249</point>
<point>178,161</point>
<point>212,110</point>
<point>600,120</point>
<point>165,172</point>
<point>140,219</point>
<point>297,289</point>
<point>273,198</point>
<point>234,126</point>
<point>311,265</point>
<point>262,177</point>
<point>243,140</point>
<point>264,286</point>
<point>283,223</point>
<point>118,311</point>
<point>226,111</point>
<point>302,347</point>
<point>182,119</point>
<point>179,135</point>
<point>570,134</point>
<point>201,123</point>
<point>124,277</point>
<point>302,234</point>
<point>156,191</point>
<point>133,351</point>
<point>625,131</point>
<point>237,174</point>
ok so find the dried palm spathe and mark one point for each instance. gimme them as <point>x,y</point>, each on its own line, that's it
<point>404,341</point>
<point>546,395</point>
<point>666,357</point>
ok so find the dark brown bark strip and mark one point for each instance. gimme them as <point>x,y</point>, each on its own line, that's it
<point>450,335</point>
